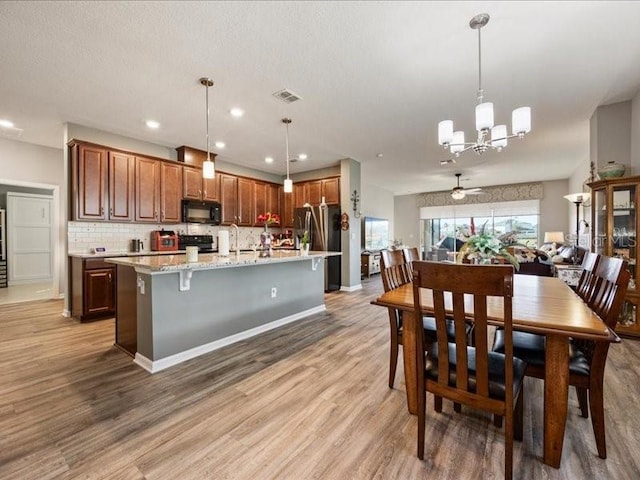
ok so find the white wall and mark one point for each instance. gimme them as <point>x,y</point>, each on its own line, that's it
<point>376,202</point>
<point>29,165</point>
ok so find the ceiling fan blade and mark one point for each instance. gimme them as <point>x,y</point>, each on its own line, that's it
<point>478,192</point>
<point>471,190</point>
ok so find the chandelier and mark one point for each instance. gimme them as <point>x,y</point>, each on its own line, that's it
<point>489,136</point>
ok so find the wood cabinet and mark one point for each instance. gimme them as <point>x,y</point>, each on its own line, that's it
<point>89,181</point>
<point>313,191</point>
<point>228,198</point>
<point>273,200</point>
<point>246,200</point>
<point>197,188</point>
<point>369,263</point>
<point>331,190</point>
<point>287,200</point>
<point>170,192</point>
<point>93,288</point>
<point>147,190</point>
<point>616,222</point>
<point>121,186</point>
<point>260,202</point>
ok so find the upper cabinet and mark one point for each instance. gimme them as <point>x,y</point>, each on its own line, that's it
<point>121,186</point>
<point>89,182</point>
<point>170,192</point>
<point>228,198</point>
<point>147,190</point>
<point>312,192</point>
<point>197,188</point>
<point>331,190</point>
<point>615,226</point>
<point>246,200</point>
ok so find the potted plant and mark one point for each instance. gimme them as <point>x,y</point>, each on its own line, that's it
<point>304,243</point>
<point>485,248</point>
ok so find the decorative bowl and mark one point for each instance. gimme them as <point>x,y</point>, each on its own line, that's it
<point>611,170</point>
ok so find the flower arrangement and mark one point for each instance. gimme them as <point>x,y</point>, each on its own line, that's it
<point>269,218</point>
<point>484,248</point>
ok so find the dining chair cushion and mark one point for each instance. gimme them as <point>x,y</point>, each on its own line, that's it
<point>530,347</point>
<point>429,325</point>
<point>496,362</point>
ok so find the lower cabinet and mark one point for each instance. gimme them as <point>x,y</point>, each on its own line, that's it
<point>369,264</point>
<point>93,289</point>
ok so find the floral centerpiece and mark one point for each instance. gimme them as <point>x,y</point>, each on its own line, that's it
<point>269,218</point>
<point>486,248</point>
<point>304,243</point>
<point>265,237</point>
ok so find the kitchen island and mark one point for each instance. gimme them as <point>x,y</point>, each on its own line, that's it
<point>169,310</point>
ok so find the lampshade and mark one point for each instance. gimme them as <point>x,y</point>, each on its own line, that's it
<point>458,142</point>
<point>580,197</point>
<point>445,132</point>
<point>484,116</point>
<point>521,120</point>
<point>208,169</point>
<point>288,185</point>
<point>458,194</point>
<point>553,237</point>
<point>499,132</point>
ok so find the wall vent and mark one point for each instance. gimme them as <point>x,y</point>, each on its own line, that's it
<point>287,96</point>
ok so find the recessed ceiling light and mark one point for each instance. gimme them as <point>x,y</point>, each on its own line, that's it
<point>6,124</point>
<point>220,144</point>
<point>380,155</point>
<point>268,159</point>
<point>153,124</point>
<point>302,156</point>
<point>236,112</point>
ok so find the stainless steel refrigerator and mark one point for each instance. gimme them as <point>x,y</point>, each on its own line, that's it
<point>332,240</point>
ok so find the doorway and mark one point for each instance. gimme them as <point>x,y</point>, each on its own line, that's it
<point>45,283</point>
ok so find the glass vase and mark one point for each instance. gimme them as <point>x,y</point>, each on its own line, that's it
<point>265,243</point>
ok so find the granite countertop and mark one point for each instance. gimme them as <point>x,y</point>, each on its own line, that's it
<point>122,253</point>
<point>206,261</point>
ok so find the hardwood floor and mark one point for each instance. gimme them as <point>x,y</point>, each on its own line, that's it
<point>306,401</point>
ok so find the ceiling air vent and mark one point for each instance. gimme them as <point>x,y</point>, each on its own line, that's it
<point>287,96</point>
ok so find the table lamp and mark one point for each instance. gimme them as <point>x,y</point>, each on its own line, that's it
<point>554,238</point>
<point>578,199</point>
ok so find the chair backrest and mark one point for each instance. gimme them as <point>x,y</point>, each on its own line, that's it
<point>611,283</point>
<point>411,254</point>
<point>586,284</point>
<point>448,284</point>
<point>393,269</point>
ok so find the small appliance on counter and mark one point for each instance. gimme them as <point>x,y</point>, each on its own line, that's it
<point>137,245</point>
<point>203,242</point>
<point>164,241</point>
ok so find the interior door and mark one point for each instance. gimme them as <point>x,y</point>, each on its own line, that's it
<point>29,238</point>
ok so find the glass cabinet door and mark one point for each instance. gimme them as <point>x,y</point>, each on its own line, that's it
<point>600,221</point>
<point>623,236</point>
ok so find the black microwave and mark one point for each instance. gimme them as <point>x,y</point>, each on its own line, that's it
<point>194,211</point>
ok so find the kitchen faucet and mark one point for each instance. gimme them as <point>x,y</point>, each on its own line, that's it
<point>237,238</point>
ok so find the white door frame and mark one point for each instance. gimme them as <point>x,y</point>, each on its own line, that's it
<point>58,242</point>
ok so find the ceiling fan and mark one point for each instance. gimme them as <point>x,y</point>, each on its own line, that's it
<point>458,193</point>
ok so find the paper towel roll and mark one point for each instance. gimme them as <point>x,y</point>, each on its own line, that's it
<point>223,242</point>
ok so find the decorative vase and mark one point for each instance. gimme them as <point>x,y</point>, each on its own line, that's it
<point>304,250</point>
<point>611,170</point>
<point>265,242</point>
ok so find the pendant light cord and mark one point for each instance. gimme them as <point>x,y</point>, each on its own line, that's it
<point>207,97</point>
<point>287,146</point>
<point>480,91</point>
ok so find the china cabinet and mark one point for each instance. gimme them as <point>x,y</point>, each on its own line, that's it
<point>615,223</point>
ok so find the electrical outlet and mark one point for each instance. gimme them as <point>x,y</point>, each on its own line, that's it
<point>274,292</point>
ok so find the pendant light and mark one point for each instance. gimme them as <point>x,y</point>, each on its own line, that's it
<point>208,167</point>
<point>288,183</point>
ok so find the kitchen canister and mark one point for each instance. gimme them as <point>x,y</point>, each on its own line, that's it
<point>192,254</point>
<point>611,170</point>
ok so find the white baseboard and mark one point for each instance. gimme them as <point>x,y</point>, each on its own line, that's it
<point>352,288</point>
<point>154,366</point>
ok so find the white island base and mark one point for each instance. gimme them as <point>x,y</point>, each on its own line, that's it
<point>227,299</point>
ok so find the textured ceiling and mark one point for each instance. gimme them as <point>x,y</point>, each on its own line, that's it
<point>375,77</point>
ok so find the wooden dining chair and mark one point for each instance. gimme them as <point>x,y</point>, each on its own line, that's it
<point>410,255</point>
<point>586,284</point>
<point>587,358</point>
<point>395,272</point>
<point>471,375</point>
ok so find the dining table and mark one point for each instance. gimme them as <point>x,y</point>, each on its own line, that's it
<point>542,305</point>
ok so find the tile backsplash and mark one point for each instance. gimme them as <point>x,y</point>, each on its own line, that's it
<point>83,237</point>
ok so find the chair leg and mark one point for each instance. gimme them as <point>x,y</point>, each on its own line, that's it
<point>518,420</point>
<point>437,404</point>
<point>581,393</point>
<point>393,357</point>
<point>497,420</point>
<point>422,400</point>
<point>508,446</point>
<point>596,404</point>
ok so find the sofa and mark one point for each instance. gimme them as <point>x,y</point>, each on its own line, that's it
<point>540,261</point>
